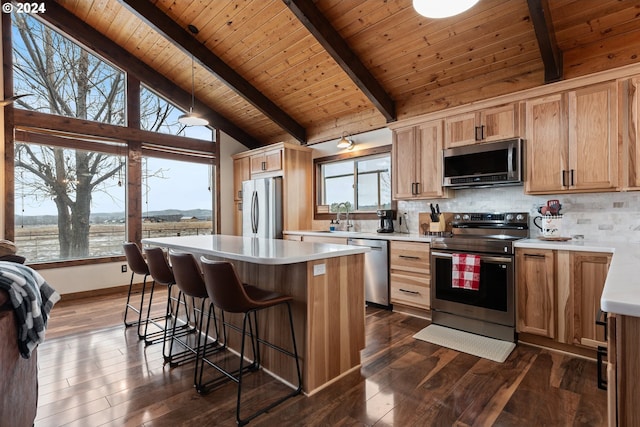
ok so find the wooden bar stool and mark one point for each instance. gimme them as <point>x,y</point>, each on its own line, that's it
<point>189,280</point>
<point>137,265</point>
<point>163,275</point>
<point>229,294</point>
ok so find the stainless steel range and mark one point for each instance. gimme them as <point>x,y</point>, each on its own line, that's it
<point>488,306</point>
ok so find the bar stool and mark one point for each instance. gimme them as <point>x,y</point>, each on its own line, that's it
<point>189,280</point>
<point>229,294</point>
<point>163,275</point>
<point>137,265</point>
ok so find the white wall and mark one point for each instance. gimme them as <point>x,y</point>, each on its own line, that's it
<point>228,147</point>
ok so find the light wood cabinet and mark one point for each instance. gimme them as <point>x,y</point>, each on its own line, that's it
<point>572,141</point>
<point>631,131</point>
<point>558,294</point>
<point>491,124</point>
<point>623,370</point>
<point>241,172</point>
<point>294,164</point>
<point>536,289</point>
<point>409,274</point>
<point>266,161</point>
<point>417,162</point>
<point>589,272</point>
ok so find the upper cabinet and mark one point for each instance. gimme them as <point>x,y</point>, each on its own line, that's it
<point>417,162</point>
<point>241,172</point>
<point>631,132</point>
<point>572,142</point>
<point>490,124</point>
<point>266,160</point>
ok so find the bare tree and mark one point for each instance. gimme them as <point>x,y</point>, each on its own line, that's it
<point>67,80</point>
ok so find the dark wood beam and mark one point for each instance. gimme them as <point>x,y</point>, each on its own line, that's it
<point>182,38</point>
<point>549,50</point>
<point>59,17</point>
<point>337,47</point>
<point>35,120</point>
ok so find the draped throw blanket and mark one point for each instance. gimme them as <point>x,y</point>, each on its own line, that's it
<point>32,299</point>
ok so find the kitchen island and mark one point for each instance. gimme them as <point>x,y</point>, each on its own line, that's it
<point>327,285</point>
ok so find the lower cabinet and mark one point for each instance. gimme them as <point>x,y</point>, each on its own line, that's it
<point>409,274</point>
<point>558,294</point>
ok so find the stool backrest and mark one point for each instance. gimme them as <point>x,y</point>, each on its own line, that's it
<point>136,262</point>
<point>187,274</point>
<point>225,289</point>
<point>159,267</point>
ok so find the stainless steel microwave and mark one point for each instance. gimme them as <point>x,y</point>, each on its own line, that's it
<point>483,165</point>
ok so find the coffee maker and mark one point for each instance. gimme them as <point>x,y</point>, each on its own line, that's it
<point>386,220</point>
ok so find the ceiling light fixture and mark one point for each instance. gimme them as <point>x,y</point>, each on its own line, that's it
<point>191,119</point>
<point>345,143</point>
<point>442,8</point>
<point>12,99</point>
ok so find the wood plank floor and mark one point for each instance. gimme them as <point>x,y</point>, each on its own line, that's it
<point>94,372</point>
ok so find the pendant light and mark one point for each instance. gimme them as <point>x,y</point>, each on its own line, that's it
<point>345,143</point>
<point>191,119</point>
<point>442,8</point>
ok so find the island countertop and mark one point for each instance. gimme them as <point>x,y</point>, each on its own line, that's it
<point>255,250</point>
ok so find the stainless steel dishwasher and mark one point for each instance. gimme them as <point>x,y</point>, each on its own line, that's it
<point>376,270</point>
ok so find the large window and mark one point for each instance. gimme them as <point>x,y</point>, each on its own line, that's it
<point>61,77</point>
<point>177,198</point>
<point>69,203</point>
<point>359,184</point>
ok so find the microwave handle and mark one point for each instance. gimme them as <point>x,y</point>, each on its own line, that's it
<point>511,159</point>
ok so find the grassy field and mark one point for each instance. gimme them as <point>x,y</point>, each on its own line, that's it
<point>40,243</point>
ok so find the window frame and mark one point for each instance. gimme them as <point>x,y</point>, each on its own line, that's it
<point>317,181</point>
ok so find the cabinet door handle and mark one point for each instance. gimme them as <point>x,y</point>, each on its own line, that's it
<point>479,130</point>
<point>413,188</point>
<point>571,178</point>
<point>408,257</point>
<point>406,291</point>
<point>239,194</point>
<point>564,178</point>
<point>264,166</point>
<point>417,188</point>
<point>240,206</point>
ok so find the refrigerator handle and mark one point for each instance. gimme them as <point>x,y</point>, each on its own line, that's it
<point>254,212</point>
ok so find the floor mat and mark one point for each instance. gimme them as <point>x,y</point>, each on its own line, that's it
<point>487,348</point>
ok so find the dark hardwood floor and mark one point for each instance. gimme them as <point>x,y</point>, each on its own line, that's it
<point>94,372</point>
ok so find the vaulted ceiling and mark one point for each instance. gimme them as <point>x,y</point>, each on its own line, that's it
<point>287,70</point>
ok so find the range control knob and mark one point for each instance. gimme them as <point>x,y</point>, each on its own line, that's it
<point>520,217</point>
<point>457,217</point>
<point>509,217</point>
<point>466,217</point>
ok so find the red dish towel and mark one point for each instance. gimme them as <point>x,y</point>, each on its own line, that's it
<point>465,271</point>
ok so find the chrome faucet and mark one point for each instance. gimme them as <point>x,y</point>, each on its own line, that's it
<point>349,224</point>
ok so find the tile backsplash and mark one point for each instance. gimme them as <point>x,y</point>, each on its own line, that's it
<point>611,216</point>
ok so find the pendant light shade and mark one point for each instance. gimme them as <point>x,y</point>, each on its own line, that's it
<point>345,143</point>
<point>442,8</point>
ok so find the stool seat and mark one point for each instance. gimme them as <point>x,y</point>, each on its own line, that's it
<point>137,265</point>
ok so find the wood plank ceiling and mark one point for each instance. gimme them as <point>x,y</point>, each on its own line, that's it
<point>284,81</point>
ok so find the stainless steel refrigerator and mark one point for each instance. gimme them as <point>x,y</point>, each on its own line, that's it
<point>262,208</point>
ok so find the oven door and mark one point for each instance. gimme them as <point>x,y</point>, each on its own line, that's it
<point>492,302</point>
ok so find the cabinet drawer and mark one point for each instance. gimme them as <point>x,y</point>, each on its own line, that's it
<point>409,256</point>
<point>410,289</point>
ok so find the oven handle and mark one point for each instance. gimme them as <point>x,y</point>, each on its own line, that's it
<point>482,257</point>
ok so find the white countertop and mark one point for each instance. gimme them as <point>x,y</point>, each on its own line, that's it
<point>621,294</point>
<point>411,237</point>
<point>258,251</point>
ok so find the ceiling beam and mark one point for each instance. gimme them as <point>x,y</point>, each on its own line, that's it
<point>60,18</point>
<point>549,50</point>
<point>182,38</point>
<point>320,27</point>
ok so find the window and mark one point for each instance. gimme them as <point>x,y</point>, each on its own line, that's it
<point>177,198</point>
<point>61,77</point>
<point>362,184</point>
<point>69,203</point>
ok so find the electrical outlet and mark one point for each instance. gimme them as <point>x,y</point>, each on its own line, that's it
<point>123,268</point>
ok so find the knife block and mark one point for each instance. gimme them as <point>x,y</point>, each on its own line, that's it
<point>427,226</point>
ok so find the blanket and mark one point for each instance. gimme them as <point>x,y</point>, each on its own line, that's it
<point>32,299</point>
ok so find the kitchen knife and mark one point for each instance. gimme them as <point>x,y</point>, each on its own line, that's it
<point>438,209</point>
<point>434,216</point>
